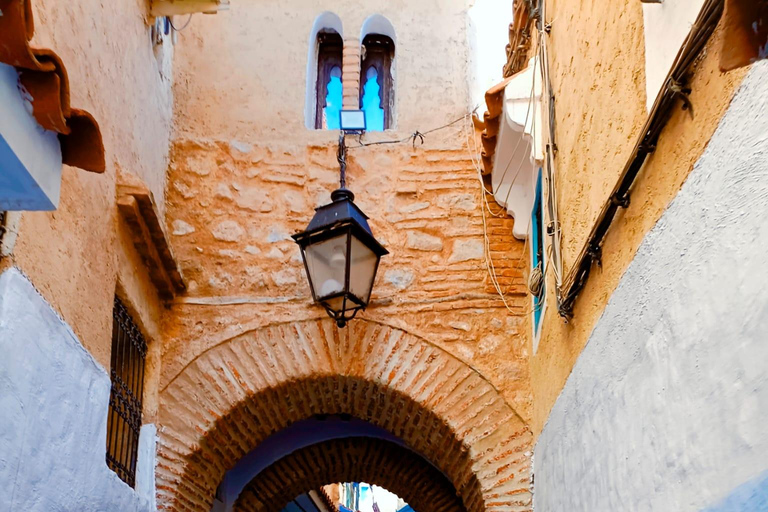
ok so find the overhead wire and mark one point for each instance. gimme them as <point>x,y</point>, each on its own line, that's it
<point>533,135</point>
<point>170,20</point>
<point>486,239</point>
<point>487,252</point>
<point>417,135</point>
<point>490,266</point>
<point>553,221</point>
<point>536,277</point>
<point>474,152</point>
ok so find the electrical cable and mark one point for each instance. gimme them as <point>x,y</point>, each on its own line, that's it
<point>490,267</point>
<point>525,125</point>
<point>473,152</point>
<point>170,19</point>
<point>554,231</point>
<point>533,140</point>
<point>660,113</point>
<point>417,135</point>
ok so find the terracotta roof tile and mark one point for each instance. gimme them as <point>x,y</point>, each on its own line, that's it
<point>517,54</point>
<point>43,75</point>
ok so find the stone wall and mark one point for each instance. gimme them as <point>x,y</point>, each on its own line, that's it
<point>667,405</point>
<point>231,213</point>
<point>246,173</point>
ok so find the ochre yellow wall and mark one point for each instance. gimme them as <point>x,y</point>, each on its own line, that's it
<point>598,77</point>
<point>76,255</point>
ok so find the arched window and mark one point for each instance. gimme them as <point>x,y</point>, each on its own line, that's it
<point>376,83</point>
<point>324,80</point>
<point>329,89</point>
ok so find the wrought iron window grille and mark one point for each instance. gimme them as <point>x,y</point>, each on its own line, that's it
<point>129,352</point>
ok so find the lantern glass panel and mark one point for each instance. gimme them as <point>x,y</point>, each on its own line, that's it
<point>362,271</point>
<point>337,303</point>
<point>326,264</point>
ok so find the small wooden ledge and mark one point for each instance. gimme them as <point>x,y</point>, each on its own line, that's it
<point>174,7</point>
<point>137,207</point>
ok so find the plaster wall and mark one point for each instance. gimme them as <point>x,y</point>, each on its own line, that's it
<point>246,173</point>
<point>666,407</point>
<point>598,74</point>
<point>116,74</point>
<point>242,75</point>
<point>54,423</point>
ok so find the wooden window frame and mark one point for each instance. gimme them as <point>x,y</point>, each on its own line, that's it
<point>129,353</point>
<point>379,52</point>
<point>330,51</point>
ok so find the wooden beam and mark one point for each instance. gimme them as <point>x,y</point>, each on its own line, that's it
<point>137,207</point>
<point>175,7</point>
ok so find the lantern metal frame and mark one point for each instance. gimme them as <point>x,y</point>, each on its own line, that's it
<point>341,217</point>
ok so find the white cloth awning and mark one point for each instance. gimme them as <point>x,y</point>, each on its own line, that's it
<point>519,147</point>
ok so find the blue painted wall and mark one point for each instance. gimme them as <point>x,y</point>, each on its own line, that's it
<point>749,497</point>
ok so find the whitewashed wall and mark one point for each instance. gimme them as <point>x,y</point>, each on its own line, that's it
<point>53,415</point>
<point>667,407</point>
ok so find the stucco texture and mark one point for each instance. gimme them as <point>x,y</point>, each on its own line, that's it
<point>54,420</point>
<point>666,407</point>
<point>598,76</point>
<point>74,254</point>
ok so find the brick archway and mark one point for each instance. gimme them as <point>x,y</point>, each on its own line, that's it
<point>236,394</point>
<point>364,459</point>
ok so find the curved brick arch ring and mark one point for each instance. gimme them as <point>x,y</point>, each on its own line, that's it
<point>358,459</point>
<point>236,394</point>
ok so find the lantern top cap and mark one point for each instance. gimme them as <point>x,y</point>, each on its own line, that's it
<point>342,211</point>
<point>342,194</point>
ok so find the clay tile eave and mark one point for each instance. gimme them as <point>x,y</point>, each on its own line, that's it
<point>494,100</point>
<point>517,49</point>
<point>43,75</point>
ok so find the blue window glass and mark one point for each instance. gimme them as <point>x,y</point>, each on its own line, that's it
<point>537,250</point>
<point>328,87</point>
<point>374,114</point>
<point>333,100</point>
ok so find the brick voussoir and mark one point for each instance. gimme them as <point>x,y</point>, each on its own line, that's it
<point>250,387</point>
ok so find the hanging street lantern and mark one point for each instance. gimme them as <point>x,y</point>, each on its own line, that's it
<point>341,255</point>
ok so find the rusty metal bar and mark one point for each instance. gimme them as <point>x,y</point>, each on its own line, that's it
<point>129,351</point>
